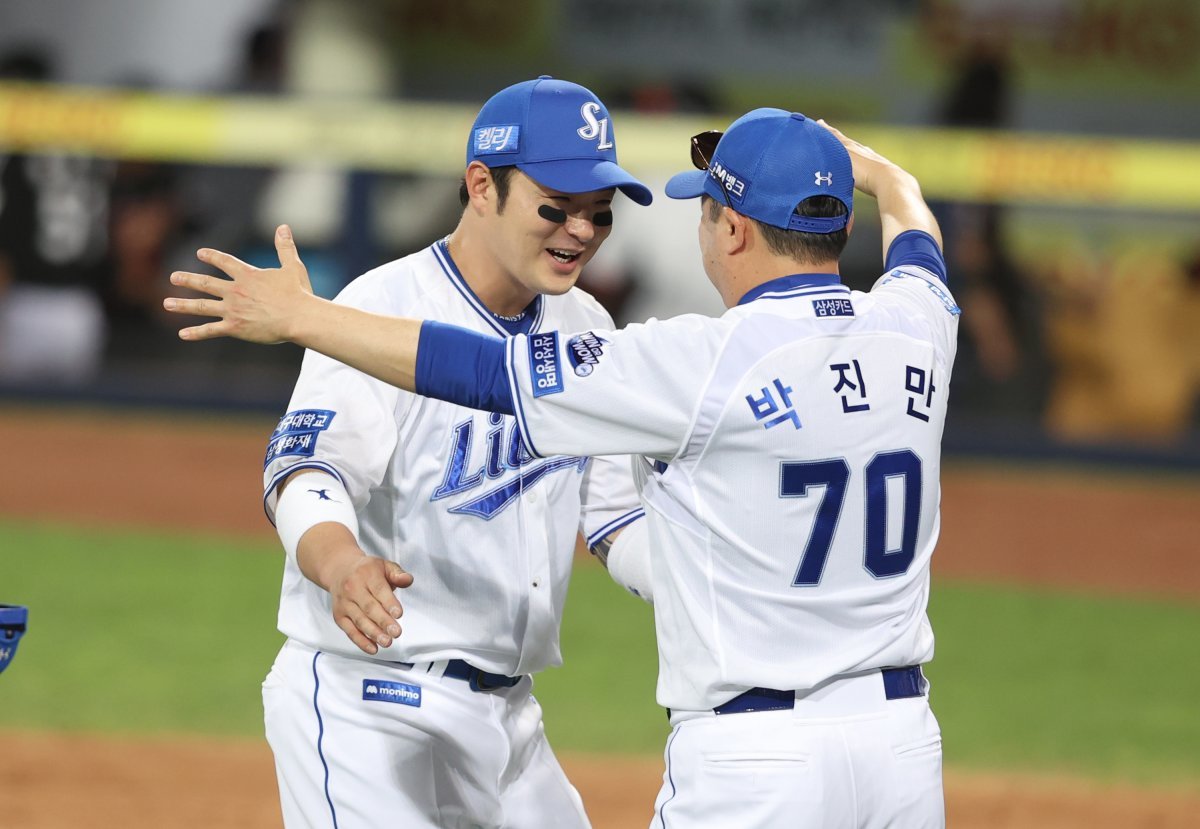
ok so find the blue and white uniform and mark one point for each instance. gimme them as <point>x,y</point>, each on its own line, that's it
<point>488,532</point>
<point>791,484</point>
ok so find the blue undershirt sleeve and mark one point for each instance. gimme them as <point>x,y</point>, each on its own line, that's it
<point>463,367</point>
<point>916,247</point>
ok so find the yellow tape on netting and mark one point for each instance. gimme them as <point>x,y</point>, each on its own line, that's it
<point>977,166</point>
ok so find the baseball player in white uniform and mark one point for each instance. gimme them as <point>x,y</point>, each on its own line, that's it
<point>396,499</point>
<point>789,472</point>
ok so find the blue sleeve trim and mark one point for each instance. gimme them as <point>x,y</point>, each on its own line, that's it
<point>462,367</point>
<point>614,525</point>
<point>916,247</point>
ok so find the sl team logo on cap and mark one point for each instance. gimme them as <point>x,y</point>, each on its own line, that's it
<point>593,127</point>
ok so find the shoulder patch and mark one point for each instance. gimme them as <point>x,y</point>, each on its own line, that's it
<point>584,351</point>
<point>297,433</point>
<point>545,373</point>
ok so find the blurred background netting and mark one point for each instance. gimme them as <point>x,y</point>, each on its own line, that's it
<point>1059,141</point>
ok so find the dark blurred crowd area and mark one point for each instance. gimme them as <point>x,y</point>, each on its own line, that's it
<point>1066,350</point>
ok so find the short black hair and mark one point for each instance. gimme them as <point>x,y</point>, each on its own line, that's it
<point>806,248</point>
<point>502,176</point>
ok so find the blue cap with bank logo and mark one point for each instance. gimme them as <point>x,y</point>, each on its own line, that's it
<point>769,161</point>
<point>556,132</point>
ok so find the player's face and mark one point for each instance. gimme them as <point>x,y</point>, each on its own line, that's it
<point>541,253</point>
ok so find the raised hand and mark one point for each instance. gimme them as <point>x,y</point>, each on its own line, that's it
<point>258,305</point>
<point>869,166</point>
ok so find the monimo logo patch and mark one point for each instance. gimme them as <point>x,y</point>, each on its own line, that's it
<point>378,690</point>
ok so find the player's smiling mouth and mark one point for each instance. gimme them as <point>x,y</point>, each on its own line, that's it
<point>563,256</point>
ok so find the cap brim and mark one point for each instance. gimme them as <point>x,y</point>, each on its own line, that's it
<point>581,175</point>
<point>687,185</point>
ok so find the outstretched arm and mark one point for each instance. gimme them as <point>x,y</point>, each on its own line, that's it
<point>901,206</point>
<point>271,305</point>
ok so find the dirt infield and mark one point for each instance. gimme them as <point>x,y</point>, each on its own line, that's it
<point>56,781</point>
<point>178,472</point>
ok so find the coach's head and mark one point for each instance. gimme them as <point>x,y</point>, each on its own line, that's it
<point>778,199</point>
<point>541,176</point>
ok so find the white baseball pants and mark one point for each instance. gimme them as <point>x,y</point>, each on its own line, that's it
<point>353,751</point>
<point>844,757</point>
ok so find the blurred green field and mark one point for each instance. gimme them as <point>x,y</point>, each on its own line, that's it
<point>153,633</point>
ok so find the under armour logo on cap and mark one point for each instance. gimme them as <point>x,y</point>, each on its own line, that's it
<point>778,146</point>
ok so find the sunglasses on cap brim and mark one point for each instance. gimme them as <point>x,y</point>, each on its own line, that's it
<point>704,146</point>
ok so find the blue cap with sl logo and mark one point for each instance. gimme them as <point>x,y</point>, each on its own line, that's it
<point>769,161</point>
<point>556,132</point>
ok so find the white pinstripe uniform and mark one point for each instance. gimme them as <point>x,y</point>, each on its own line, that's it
<point>792,496</point>
<point>488,533</point>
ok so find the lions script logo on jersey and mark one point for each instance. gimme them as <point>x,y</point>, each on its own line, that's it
<point>469,467</point>
<point>584,351</point>
<point>379,690</point>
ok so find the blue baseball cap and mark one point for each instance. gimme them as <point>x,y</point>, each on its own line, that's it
<point>556,132</point>
<point>769,161</point>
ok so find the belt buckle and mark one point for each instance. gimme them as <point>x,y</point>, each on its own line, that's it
<point>477,680</point>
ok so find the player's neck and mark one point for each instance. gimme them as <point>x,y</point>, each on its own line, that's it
<point>744,276</point>
<point>496,288</point>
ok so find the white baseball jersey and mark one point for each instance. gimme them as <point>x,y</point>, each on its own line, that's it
<point>449,493</point>
<point>791,478</point>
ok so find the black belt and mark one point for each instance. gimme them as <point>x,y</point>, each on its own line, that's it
<point>898,683</point>
<point>477,679</point>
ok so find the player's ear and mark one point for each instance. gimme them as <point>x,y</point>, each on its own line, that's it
<point>850,225</point>
<point>734,230</point>
<point>481,189</point>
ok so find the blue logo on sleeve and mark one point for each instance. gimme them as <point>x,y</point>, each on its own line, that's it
<point>833,308</point>
<point>379,690</point>
<point>545,373</point>
<point>297,433</point>
<point>584,351</point>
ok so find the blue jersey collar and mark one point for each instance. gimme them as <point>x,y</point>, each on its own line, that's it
<point>793,282</point>
<point>526,323</point>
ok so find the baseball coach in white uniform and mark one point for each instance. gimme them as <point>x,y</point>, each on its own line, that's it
<point>790,458</point>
